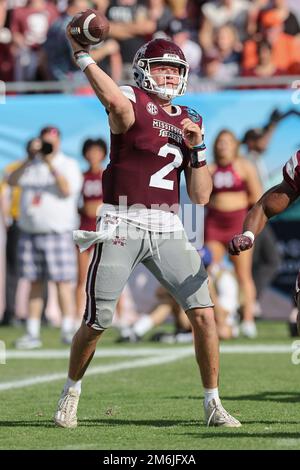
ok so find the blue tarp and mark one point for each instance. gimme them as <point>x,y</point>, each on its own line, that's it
<point>80,117</point>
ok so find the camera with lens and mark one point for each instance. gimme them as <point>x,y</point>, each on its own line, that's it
<point>38,148</point>
<point>46,148</point>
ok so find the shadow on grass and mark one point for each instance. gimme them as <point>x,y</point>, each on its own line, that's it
<point>26,423</point>
<point>158,423</point>
<point>277,397</point>
<point>227,434</point>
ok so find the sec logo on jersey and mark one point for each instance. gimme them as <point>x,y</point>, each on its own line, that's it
<point>152,108</point>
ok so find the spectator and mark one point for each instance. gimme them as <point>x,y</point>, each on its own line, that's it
<point>266,261</point>
<point>15,287</point>
<point>220,12</point>
<point>29,27</point>
<point>194,13</point>
<point>59,57</point>
<point>161,14</point>
<point>180,32</point>
<point>166,306</point>
<point>222,62</point>
<point>10,202</point>
<point>51,184</point>
<point>257,140</point>
<point>129,24</point>
<point>265,67</point>
<point>94,151</point>
<point>217,14</point>
<point>6,54</point>
<point>285,50</point>
<point>294,6</point>
<point>224,291</point>
<point>178,7</point>
<point>227,46</point>
<point>211,69</point>
<point>101,5</point>
<point>235,187</point>
<point>266,255</point>
<point>289,20</point>
<point>255,9</point>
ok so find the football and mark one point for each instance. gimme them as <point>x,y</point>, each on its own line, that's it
<point>89,27</point>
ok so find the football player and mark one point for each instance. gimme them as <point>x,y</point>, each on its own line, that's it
<point>273,202</point>
<point>152,142</point>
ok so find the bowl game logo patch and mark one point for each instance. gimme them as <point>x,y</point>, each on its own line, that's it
<point>193,115</point>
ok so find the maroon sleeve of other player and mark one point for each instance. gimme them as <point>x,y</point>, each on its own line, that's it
<point>17,25</point>
<point>291,172</point>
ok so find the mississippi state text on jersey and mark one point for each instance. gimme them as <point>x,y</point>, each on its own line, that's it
<point>146,162</point>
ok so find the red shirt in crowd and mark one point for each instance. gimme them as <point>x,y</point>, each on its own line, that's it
<point>91,191</point>
<point>33,23</point>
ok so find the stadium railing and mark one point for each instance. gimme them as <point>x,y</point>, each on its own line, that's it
<point>70,86</point>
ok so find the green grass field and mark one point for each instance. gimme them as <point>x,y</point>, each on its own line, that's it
<point>134,400</point>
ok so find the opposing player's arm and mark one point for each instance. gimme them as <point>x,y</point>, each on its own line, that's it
<point>272,203</point>
<point>119,107</point>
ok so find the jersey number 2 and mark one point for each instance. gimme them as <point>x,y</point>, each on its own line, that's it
<point>158,180</point>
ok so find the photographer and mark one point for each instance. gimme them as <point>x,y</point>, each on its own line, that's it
<point>51,184</point>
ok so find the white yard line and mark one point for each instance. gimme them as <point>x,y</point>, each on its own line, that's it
<point>133,364</point>
<point>101,352</point>
<point>158,356</point>
<point>138,351</point>
<point>256,348</point>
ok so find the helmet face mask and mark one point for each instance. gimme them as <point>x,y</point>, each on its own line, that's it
<point>164,52</point>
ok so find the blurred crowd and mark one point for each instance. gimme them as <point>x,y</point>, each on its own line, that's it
<point>222,39</point>
<point>44,196</point>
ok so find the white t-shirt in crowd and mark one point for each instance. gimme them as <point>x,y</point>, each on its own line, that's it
<point>294,6</point>
<point>219,14</point>
<point>43,208</point>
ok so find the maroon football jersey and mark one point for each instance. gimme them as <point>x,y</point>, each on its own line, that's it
<point>291,172</point>
<point>146,162</point>
<point>225,178</point>
<point>91,191</point>
<point>92,186</point>
<point>33,23</point>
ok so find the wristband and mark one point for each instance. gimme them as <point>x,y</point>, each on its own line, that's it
<point>80,51</point>
<point>198,164</point>
<point>83,59</point>
<point>249,234</point>
<point>198,155</point>
<point>201,146</point>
